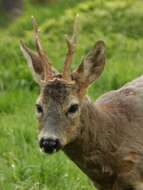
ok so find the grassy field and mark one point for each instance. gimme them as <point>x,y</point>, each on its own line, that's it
<point>119,24</point>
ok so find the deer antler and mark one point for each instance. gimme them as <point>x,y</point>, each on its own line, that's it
<point>71,44</point>
<point>47,69</point>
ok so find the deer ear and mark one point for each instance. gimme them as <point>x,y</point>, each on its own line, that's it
<point>34,62</point>
<point>91,67</point>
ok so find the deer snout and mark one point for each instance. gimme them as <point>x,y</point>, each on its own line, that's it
<point>49,145</point>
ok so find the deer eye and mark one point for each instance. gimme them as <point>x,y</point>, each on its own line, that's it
<point>73,108</point>
<point>39,108</point>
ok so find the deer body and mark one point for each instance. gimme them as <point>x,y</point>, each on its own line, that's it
<point>104,139</point>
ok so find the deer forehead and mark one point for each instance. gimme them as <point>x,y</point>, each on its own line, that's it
<point>59,92</point>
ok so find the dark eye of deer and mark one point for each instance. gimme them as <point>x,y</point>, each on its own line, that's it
<point>39,108</point>
<point>73,108</point>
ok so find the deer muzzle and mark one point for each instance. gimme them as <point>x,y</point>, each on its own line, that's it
<point>49,145</point>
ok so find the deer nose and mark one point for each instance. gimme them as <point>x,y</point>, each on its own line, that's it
<point>49,145</point>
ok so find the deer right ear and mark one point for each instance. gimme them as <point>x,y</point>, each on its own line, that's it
<point>91,67</point>
<point>34,62</point>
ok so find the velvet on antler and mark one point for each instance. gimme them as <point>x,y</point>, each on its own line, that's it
<point>42,70</point>
<point>45,62</point>
<point>40,62</point>
<point>71,44</point>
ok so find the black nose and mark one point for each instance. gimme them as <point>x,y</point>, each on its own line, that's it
<point>49,145</point>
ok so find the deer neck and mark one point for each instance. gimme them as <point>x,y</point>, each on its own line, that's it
<point>93,149</point>
<point>88,140</point>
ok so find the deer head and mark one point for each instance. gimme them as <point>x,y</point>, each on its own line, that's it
<point>60,101</point>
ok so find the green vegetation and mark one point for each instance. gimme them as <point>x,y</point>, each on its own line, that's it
<point>119,24</point>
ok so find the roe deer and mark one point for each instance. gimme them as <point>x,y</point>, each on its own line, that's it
<point>105,138</point>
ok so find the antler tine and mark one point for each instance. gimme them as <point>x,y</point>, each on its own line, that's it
<point>45,62</point>
<point>37,39</point>
<point>71,44</point>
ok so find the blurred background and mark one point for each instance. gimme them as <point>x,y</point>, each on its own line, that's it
<point>118,23</point>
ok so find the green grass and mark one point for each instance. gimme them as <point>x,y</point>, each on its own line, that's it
<point>119,24</point>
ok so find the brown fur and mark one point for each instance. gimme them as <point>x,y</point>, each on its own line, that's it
<point>110,147</point>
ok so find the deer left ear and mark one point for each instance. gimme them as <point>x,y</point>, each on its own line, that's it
<point>91,67</point>
<point>34,62</point>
